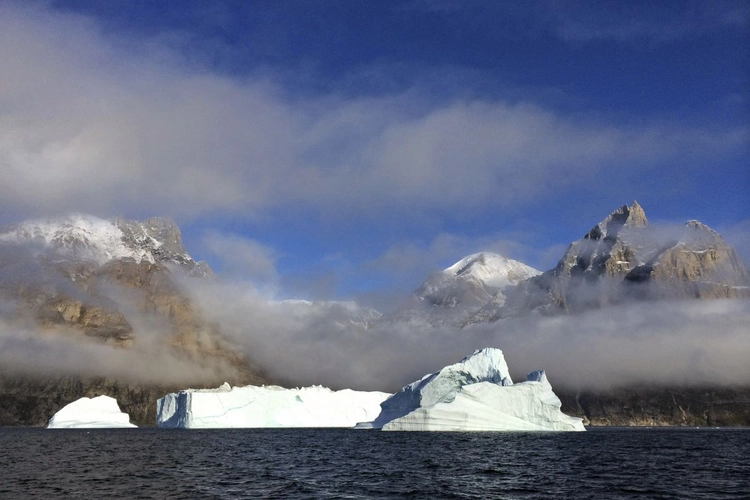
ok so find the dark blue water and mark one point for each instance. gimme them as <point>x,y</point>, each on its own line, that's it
<point>328,463</point>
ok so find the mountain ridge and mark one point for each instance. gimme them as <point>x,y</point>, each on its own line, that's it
<point>621,259</point>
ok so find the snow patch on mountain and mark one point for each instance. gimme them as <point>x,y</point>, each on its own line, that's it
<point>81,236</point>
<point>89,238</point>
<point>492,269</point>
<point>451,296</point>
<point>472,281</point>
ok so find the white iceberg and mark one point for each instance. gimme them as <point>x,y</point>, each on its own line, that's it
<point>267,406</point>
<point>476,394</point>
<point>90,413</point>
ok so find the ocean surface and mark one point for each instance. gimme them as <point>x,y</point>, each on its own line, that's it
<point>336,463</point>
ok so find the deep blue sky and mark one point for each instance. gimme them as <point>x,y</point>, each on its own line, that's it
<point>334,149</point>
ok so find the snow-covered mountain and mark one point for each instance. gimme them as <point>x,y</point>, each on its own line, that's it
<point>451,296</point>
<point>88,238</point>
<point>475,278</point>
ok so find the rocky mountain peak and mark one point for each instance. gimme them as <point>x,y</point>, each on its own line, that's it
<point>86,238</point>
<point>631,216</point>
<point>622,259</point>
<point>698,234</point>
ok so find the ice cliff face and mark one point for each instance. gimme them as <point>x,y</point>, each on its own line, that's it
<point>476,394</point>
<point>621,259</point>
<point>271,406</point>
<point>89,413</point>
<point>449,297</point>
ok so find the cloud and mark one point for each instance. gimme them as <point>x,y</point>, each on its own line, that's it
<point>115,126</point>
<point>243,259</point>
<point>29,350</point>
<point>666,343</point>
<point>587,21</point>
<point>738,235</point>
<point>648,21</point>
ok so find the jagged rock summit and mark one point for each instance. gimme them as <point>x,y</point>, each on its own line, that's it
<point>623,258</point>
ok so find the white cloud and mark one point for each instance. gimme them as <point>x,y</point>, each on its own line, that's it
<point>95,124</point>
<point>244,259</point>
<point>660,344</point>
<point>650,21</point>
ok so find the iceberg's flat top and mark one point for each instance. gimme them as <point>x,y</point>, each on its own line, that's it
<point>267,406</point>
<point>87,413</point>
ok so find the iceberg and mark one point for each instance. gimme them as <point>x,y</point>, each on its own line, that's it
<point>476,394</point>
<point>90,413</point>
<point>266,406</point>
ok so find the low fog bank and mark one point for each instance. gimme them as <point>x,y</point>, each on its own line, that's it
<point>29,351</point>
<point>688,343</point>
<point>691,343</point>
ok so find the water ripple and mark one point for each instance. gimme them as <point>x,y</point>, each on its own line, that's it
<point>346,464</point>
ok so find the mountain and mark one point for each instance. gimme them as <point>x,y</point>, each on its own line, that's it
<point>342,315</point>
<point>91,239</point>
<point>622,259</point>
<point>449,297</point>
<point>84,282</point>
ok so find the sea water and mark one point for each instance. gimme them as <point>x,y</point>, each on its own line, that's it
<point>658,463</point>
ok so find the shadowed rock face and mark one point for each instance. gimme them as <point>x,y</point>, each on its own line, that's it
<point>659,406</point>
<point>623,259</point>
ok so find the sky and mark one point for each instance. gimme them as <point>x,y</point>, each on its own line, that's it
<point>344,149</point>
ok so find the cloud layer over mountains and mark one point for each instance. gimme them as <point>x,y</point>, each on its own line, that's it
<point>102,121</point>
<point>690,343</point>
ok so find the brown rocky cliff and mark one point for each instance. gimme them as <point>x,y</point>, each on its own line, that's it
<point>621,259</point>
